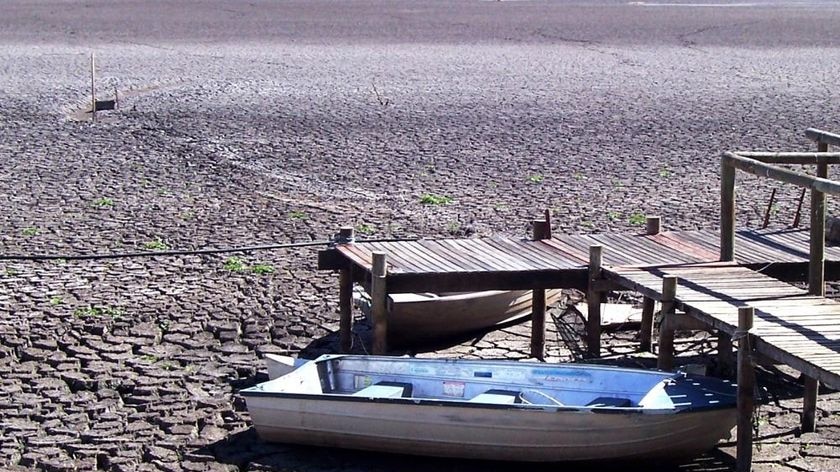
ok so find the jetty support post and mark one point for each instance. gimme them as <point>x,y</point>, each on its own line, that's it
<point>816,265</point>
<point>541,230</point>
<point>746,386</point>
<point>345,297</point>
<point>665,359</point>
<point>727,211</point>
<point>593,301</point>
<point>725,358</point>
<point>809,405</point>
<point>379,302</point>
<point>653,227</point>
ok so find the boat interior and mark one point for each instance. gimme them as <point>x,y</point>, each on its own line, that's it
<point>484,383</point>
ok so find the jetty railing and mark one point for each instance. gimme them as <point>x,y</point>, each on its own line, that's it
<point>766,164</point>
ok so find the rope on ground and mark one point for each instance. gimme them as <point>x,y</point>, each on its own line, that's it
<point>194,252</point>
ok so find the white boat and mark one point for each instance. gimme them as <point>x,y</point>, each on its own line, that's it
<point>417,318</point>
<point>498,410</point>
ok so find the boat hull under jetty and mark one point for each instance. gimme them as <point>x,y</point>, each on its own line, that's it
<point>423,318</point>
<point>498,410</point>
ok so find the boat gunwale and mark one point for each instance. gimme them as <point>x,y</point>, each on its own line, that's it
<point>457,403</point>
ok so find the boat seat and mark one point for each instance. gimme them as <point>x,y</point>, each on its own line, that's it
<point>496,397</point>
<point>386,390</point>
<point>601,402</point>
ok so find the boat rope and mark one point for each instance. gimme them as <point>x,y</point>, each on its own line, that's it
<point>191,252</point>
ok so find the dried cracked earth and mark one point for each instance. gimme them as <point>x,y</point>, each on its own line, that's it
<point>274,122</point>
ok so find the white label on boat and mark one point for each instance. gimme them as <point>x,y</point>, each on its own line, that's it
<point>361,381</point>
<point>453,389</point>
<point>421,370</point>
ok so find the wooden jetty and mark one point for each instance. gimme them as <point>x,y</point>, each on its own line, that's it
<point>728,281</point>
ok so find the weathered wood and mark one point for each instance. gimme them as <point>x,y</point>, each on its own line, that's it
<point>593,301</point>
<point>795,158</point>
<point>823,137</point>
<point>816,264</point>
<point>799,179</point>
<point>379,305</point>
<point>541,230</point>
<point>769,208</point>
<point>746,385</point>
<point>727,211</point>
<point>646,333</point>
<point>665,358</point>
<point>809,405</point>
<point>345,308</point>
<point>798,215</point>
<point>653,225</point>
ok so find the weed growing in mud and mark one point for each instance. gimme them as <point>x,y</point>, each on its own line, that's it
<point>365,228</point>
<point>156,245</point>
<point>262,269</point>
<point>55,301</point>
<point>433,199</point>
<point>31,231</point>
<point>103,202</point>
<point>612,215</point>
<point>297,215</point>
<point>234,264</point>
<point>94,311</point>
<point>637,219</point>
<point>665,171</point>
<point>536,179</point>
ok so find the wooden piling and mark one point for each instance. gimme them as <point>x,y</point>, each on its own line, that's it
<point>653,225</point>
<point>725,355</point>
<point>646,333</point>
<point>379,305</point>
<point>816,264</point>
<point>809,405</point>
<point>93,86</point>
<point>593,301</point>
<point>727,211</point>
<point>665,359</point>
<point>746,385</point>
<point>541,230</point>
<point>345,298</point>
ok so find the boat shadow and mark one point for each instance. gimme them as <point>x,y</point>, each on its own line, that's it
<point>246,451</point>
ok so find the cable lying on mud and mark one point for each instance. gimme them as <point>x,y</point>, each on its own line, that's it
<point>264,247</point>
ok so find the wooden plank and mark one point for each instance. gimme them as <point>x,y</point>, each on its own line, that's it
<point>541,254</point>
<point>498,259</point>
<point>565,250</point>
<point>416,252</point>
<point>467,263</point>
<point>400,258</point>
<point>487,280</point>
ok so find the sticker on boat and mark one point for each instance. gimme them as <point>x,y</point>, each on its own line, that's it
<point>453,389</point>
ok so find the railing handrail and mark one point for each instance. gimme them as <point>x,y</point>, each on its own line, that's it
<point>821,136</point>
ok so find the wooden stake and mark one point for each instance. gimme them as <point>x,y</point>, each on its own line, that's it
<point>798,216</point>
<point>93,86</point>
<point>809,405</point>
<point>654,225</point>
<point>646,333</point>
<point>593,301</point>
<point>379,306</point>
<point>769,208</point>
<point>345,298</point>
<point>746,385</point>
<point>727,211</point>
<point>665,359</point>
<point>541,230</point>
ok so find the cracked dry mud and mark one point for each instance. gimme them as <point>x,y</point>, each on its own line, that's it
<point>272,121</point>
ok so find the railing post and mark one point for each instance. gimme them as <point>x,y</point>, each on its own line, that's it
<point>379,305</point>
<point>727,212</point>
<point>746,385</point>
<point>345,297</point>
<point>809,405</point>
<point>653,225</point>
<point>593,302</point>
<point>816,264</point>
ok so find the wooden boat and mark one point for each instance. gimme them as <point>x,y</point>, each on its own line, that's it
<point>417,318</point>
<point>499,410</point>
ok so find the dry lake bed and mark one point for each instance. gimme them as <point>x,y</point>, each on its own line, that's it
<point>243,123</point>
